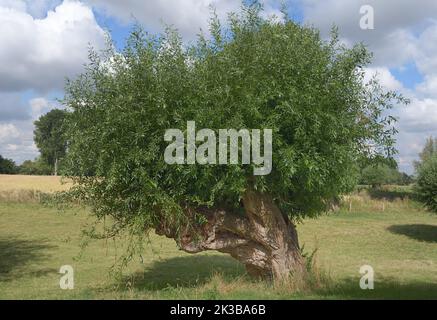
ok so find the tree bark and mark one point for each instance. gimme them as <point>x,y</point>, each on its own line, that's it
<point>56,167</point>
<point>263,239</point>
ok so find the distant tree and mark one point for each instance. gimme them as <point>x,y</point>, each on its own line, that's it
<point>429,150</point>
<point>7,166</point>
<point>380,174</point>
<point>260,74</point>
<point>50,139</point>
<point>426,186</point>
<point>406,179</point>
<point>36,167</point>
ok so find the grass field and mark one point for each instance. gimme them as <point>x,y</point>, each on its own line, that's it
<point>386,230</point>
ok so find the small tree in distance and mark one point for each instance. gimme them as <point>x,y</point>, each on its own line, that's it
<point>426,168</point>
<point>259,74</point>
<point>49,137</point>
<point>426,187</point>
<point>429,151</point>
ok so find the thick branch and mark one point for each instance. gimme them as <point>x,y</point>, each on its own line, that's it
<point>263,239</point>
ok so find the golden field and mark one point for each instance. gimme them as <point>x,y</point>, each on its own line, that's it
<point>27,188</point>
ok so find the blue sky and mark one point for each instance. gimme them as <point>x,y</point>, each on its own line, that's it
<point>408,75</point>
<point>43,41</point>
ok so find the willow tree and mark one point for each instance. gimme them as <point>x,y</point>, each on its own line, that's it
<point>256,74</point>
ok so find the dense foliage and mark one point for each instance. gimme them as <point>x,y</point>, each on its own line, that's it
<point>49,136</point>
<point>380,174</point>
<point>427,183</point>
<point>428,151</point>
<point>36,167</point>
<point>7,166</point>
<point>256,74</point>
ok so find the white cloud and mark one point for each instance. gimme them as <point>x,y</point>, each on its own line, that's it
<point>14,4</point>
<point>397,22</point>
<point>39,53</point>
<point>420,116</point>
<point>41,42</point>
<point>390,15</point>
<point>416,121</point>
<point>36,8</point>
<point>39,8</point>
<point>39,106</point>
<point>426,50</point>
<point>428,88</point>
<point>8,132</point>
<point>16,134</point>
<point>188,16</point>
<point>410,144</point>
<point>385,78</point>
<point>16,141</point>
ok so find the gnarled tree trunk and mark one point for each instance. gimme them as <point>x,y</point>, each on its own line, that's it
<point>263,239</point>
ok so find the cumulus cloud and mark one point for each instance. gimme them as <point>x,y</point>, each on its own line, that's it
<point>8,132</point>
<point>385,78</point>
<point>426,50</point>
<point>416,121</point>
<point>16,141</point>
<point>16,124</point>
<point>389,14</point>
<point>16,134</point>
<point>13,4</point>
<point>396,23</point>
<point>428,87</point>
<point>36,8</point>
<point>188,16</point>
<point>420,116</point>
<point>39,53</point>
<point>40,106</point>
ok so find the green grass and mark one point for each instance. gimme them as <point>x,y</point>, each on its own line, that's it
<point>400,243</point>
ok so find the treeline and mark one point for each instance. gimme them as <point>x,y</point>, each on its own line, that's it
<point>386,172</point>
<point>28,167</point>
<point>380,174</point>
<point>425,179</point>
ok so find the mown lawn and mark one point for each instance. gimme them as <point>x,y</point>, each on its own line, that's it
<point>395,237</point>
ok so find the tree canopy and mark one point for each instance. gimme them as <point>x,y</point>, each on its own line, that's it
<point>427,183</point>
<point>36,167</point>
<point>7,166</point>
<point>428,151</point>
<point>255,74</point>
<point>379,174</point>
<point>49,136</point>
<point>426,167</point>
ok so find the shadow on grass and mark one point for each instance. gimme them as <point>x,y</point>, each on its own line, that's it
<point>420,232</point>
<point>195,271</point>
<point>17,254</point>
<point>184,272</point>
<point>383,289</point>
